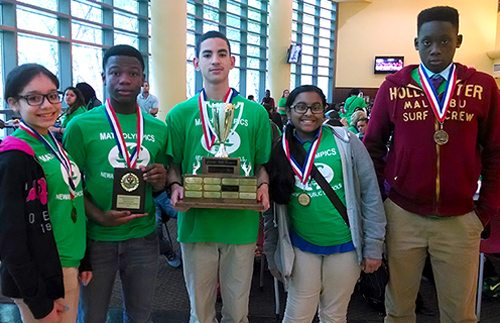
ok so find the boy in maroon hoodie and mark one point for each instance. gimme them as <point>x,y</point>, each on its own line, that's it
<point>443,138</point>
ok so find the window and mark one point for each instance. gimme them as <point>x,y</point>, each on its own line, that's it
<point>245,25</point>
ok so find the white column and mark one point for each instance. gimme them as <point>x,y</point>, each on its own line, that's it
<point>168,50</point>
<point>280,35</point>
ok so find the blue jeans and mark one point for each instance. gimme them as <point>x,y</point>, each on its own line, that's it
<point>137,262</point>
<point>164,211</point>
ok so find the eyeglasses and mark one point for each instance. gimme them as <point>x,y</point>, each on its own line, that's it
<point>37,99</point>
<point>302,108</point>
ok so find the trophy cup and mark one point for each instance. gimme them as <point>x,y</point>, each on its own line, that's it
<point>220,184</point>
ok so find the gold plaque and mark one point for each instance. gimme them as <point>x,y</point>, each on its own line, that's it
<point>211,195</point>
<point>192,187</point>
<point>248,196</point>
<point>129,182</point>
<point>230,195</point>
<point>193,194</point>
<point>129,202</point>
<point>212,188</point>
<point>230,181</point>
<point>212,180</point>
<point>248,181</point>
<point>249,189</point>
<point>193,180</point>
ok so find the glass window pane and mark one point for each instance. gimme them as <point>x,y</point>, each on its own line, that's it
<point>293,68</point>
<point>324,42</point>
<point>234,78</point>
<point>254,27</point>
<point>322,61</point>
<point>235,47</point>
<point>307,49</point>
<point>87,33</point>
<point>306,79</point>
<point>47,4</point>
<point>191,23</point>
<point>323,85</point>
<point>292,81</point>
<point>294,15</point>
<point>310,9</point>
<point>323,71</point>
<point>324,52</point>
<point>308,29</point>
<point>253,39</point>
<point>253,50</point>
<point>323,32</point>
<point>129,5</point>
<point>233,8</point>
<point>210,14</point>
<point>233,21</point>
<point>253,14</point>
<point>126,22</point>
<point>214,3</point>
<point>237,61</point>
<point>207,26</point>
<point>34,20</point>
<point>255,4</point>
<point>306,59</point>
<point>326,4</point>
<point>190,38</point>
<point>233,34</point>
<point>253,78</point>
<point>253,63</point>
<point>190,77</point>
<point>87,67</point>
<point>308,39</point>
<point>307,69</point>
<point>127,39</point>
<point>308,19</point>
<point>325,23</point>
<point>86,11</point>
<point>191,8</point>
<point>46,53</point>
<point>190,53</point>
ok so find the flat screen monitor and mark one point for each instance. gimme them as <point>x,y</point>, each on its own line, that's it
<point>388,64</point>
<point>294,54</point>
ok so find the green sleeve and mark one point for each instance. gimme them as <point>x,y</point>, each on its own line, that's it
<point>263,138</point>
<point>175,137</point>
<point>74,144</point>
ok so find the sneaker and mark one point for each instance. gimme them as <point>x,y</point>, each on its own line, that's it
<point>491,287</point>
<point>173,259</point>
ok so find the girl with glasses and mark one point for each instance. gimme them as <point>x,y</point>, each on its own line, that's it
<point>42,214</point>
<point>318,249</point>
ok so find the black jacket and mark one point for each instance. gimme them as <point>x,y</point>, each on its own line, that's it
<point>30,265</point>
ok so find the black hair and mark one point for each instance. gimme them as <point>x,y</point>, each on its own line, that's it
<point>365,119</point>
<point>301,89</point>
<point>440,13</point>
<point>354,91</point>
<point>208,35</point>
<point>21,75</point>
<point>122,50</point>
<point>251,97</point>
<point>87,91</point>
<point>79,101</point>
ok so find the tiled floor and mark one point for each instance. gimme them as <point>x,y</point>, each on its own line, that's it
<point>171,303</point>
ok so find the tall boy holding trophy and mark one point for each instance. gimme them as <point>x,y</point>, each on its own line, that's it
<point>122,154</point>
<point>217,244</point>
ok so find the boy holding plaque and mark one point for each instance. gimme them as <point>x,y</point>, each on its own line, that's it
<point>121,151</point>
<point>443,117</point>
<point>217,244</point>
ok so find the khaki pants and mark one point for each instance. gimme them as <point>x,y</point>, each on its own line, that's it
<point>204,263</point>
<point>70,300</point>
<point>453,246</point>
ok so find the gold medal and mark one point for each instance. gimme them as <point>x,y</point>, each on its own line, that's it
<point>73,214</point>
<point>441,137</point>
<point>304,199</point>
<point>129,182</point>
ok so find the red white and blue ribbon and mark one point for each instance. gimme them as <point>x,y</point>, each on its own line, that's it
<point>439,106</point>
<point>57,151</point>
<point>208,132</point>
<point>130,159</point>
<point>303,172</point>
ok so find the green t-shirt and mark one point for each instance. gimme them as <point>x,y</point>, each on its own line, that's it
<point>416,77</point>
<point>351,104</point>
<point>251,140</point>
<point>282,104</point>
<point>91,142</point>
<point>67,117</point>
<point>70,236</point>
<point>319,222</point>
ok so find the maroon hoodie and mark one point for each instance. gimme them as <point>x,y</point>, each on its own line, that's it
<point>426,178</point>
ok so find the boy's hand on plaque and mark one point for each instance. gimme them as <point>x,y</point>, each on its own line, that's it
<point>263,195</point>
<point>113,218</point>
<point>156,174</point>
<point>177,194</point>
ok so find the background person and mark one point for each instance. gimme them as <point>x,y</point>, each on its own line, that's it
<point>147,102</point>
<point>42,214</point>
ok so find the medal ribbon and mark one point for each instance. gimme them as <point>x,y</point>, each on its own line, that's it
<point>439,107</point>
<point>131,159</point>
<point>303,172</point>
<point>58,152</point>
<point>208,133</point>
